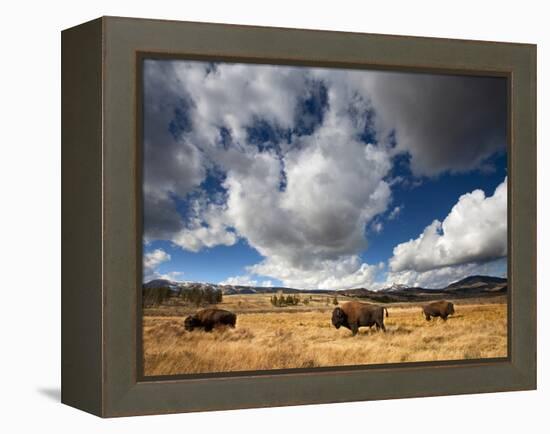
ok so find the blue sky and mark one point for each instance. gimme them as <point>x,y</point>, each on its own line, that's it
<point>213,264</point>
<point>322,178</point>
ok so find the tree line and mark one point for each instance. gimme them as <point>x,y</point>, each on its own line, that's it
<point>193,295</point>
<point>281,300</point>
<point>200,296</point>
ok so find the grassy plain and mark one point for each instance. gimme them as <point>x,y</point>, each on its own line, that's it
<point>268,337</point>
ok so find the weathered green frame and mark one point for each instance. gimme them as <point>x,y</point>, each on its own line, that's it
<point>101,223</point>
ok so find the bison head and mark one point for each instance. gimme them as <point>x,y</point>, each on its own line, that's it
<point>451,309</point>
<point>338,318</point>
<point>191,322</point>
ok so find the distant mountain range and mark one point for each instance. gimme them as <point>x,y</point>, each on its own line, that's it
<point>469,287</point>
<point>472,286</point>
<point>177,286</point>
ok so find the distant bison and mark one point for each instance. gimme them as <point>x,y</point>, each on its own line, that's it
<point>441,308</point>
<point>210,318</point>
<point>354,314</point>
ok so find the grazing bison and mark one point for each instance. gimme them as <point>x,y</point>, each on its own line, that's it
<point>210,318</point>
<point>441,308</point>
<point>354,314</point>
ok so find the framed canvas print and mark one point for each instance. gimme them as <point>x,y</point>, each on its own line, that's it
<point>261,217</point>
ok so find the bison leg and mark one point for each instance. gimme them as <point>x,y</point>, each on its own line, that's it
<point>444,317</point>
<point>208,327</point>
<point>428,317</point>
<point>381,326</point>
<point>354,329</point>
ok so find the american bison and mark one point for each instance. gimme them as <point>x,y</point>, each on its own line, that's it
<point>441,308</point>
<point>354,314</point>
<point>210,318</point>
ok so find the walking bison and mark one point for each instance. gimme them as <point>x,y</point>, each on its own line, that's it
<point>355,314</point>
<point>441,308</point>
<point>210,318</point>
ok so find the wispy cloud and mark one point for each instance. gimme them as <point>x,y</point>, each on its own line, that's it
<point>395,212</point>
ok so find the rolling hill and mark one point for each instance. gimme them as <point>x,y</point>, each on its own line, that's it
<point>469,287</point>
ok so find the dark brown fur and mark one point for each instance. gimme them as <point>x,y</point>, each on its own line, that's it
<point>441,308</point>
<point>355,314</point>
<point>210,318</point>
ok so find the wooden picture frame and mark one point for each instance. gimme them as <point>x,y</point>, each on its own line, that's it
<point>101,222</point>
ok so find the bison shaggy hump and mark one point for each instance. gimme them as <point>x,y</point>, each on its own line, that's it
<point>355,314</point>
<point>210,318</point>
<point>441,308</point>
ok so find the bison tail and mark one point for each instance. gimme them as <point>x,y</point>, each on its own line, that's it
<point>386,312</point>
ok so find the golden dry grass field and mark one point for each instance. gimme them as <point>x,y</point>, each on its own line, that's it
<point>268,337</point>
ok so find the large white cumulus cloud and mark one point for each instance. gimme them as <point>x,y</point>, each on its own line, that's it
<point>302,202</point>
<point>311,230</point>
<point>324,208</point>
<point>474,231</point>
